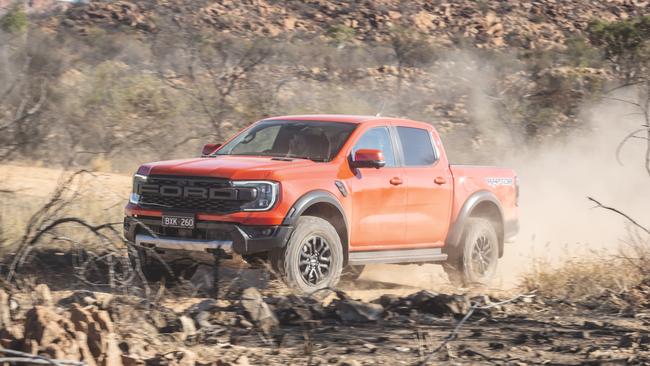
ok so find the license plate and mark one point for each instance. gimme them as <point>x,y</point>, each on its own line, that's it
<point>179,221</point>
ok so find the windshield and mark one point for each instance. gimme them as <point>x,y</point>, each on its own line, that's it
<point>317,141</point>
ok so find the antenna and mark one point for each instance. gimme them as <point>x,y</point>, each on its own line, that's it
<point>381,109</point>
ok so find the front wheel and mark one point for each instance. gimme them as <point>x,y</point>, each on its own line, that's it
<point>313,257</point>
<point>475,260</point>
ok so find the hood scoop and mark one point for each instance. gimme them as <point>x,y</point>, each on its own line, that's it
<point>282,159</point>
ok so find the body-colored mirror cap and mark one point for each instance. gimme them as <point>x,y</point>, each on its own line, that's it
<point>368,158</point>
<point>209,149</point>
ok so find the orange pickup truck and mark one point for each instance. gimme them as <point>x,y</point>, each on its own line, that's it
<point>320,197</point>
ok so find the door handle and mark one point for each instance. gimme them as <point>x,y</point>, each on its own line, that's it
<point>440,180</point>
<point>396,181</point>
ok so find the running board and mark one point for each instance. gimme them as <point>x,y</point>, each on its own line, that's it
<point>397,256</point>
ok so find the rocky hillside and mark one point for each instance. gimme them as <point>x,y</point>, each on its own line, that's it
<point>488,74</point>
<point>491,24</point>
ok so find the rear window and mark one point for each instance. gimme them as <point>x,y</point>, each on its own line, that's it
<point>417,147</point>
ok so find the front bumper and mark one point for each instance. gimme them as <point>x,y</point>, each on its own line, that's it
<point>207,236</point>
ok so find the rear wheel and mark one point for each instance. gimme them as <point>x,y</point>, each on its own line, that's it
<point>475,260</point>
<point>313,257</point>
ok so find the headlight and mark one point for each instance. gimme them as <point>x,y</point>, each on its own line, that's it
<point>265,197</point>
<point>135,195</point>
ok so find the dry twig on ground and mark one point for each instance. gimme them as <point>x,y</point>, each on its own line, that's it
<point>472,309</point>
<point>22,357</point>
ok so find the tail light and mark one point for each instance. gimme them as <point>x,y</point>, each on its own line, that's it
<point>516,191</point>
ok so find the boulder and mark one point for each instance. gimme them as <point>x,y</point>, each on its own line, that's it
<point>43,295</point>
<point>355,311</point>
<point>258,311</point>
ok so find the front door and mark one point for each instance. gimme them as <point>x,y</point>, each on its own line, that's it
<point>378,197</point>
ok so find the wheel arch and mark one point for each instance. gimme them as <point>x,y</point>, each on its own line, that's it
<point>323,204</point>
<point>480,204</point>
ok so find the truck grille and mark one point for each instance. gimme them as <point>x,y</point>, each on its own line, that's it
<point>169,193</point>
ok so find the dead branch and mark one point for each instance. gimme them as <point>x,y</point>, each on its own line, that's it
<point>600,205</point>
<point>472,309</point>
<point>624,141</point>
<point>22,357</point>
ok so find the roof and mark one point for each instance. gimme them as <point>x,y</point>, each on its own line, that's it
<point>327,118</point>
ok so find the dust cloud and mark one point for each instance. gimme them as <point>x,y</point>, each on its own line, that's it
<point>557,221</point>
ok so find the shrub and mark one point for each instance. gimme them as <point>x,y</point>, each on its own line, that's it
<point>411,48</point>
<point>340,34</point>
<point>581,278</point>
<point>582,54</point>
<point>625,43</point>
<point>15,20</point>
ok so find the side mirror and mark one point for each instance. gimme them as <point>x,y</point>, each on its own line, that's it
<point>368,158</point>
<point>209,149</point>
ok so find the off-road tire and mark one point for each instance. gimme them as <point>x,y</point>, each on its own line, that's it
<point>474,261</point>
<point>352,273</point>
<point>300,260</point>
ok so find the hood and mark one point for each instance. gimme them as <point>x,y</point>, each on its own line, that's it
<point>230,167</point>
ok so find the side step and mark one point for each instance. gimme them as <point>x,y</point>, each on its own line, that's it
<point>397,256</point>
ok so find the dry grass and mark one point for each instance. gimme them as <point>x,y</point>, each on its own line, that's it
<point>95,198</point>
<point>580,278</point>
<point>592,275</point>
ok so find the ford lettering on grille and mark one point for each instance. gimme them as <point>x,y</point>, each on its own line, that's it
<point>189,192</point>
<point>193,194</point>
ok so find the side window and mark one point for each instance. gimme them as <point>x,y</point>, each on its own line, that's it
<point>417,147</point>
<point>377,138</point>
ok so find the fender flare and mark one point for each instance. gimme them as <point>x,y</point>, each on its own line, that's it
<point>315,197</point>
<point>456,231</point>
<point>309,199</point>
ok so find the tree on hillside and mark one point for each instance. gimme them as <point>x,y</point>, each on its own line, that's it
<point>626,46</point>
<point>25,74</point>
<point>211,68</point>
<point>411,49</point>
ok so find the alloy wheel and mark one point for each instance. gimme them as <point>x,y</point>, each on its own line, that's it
<point>315,260</point>
<point>482,256</point>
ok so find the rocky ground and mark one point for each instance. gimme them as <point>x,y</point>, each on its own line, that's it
<point>268,325</point>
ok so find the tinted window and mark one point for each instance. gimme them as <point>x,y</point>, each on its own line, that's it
<point>262,141</point>
<point>318,141</point>
<point>377,138</point>
<point>417,147</point>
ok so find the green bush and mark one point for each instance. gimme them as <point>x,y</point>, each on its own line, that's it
<point>411,48</point>
<point>620,37</point>
<point>582,54</point>
<point>15,20</point>
<point>625,43</point>
<point>340,34</point>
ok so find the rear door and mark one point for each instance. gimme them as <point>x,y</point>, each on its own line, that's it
<point>378,196</point>
<point>429,187</point>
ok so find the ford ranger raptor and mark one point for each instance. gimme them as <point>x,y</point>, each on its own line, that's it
<point>321,196</point>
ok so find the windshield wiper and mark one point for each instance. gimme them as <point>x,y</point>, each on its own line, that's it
<point>291,156</point>
<point>320,160</point>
